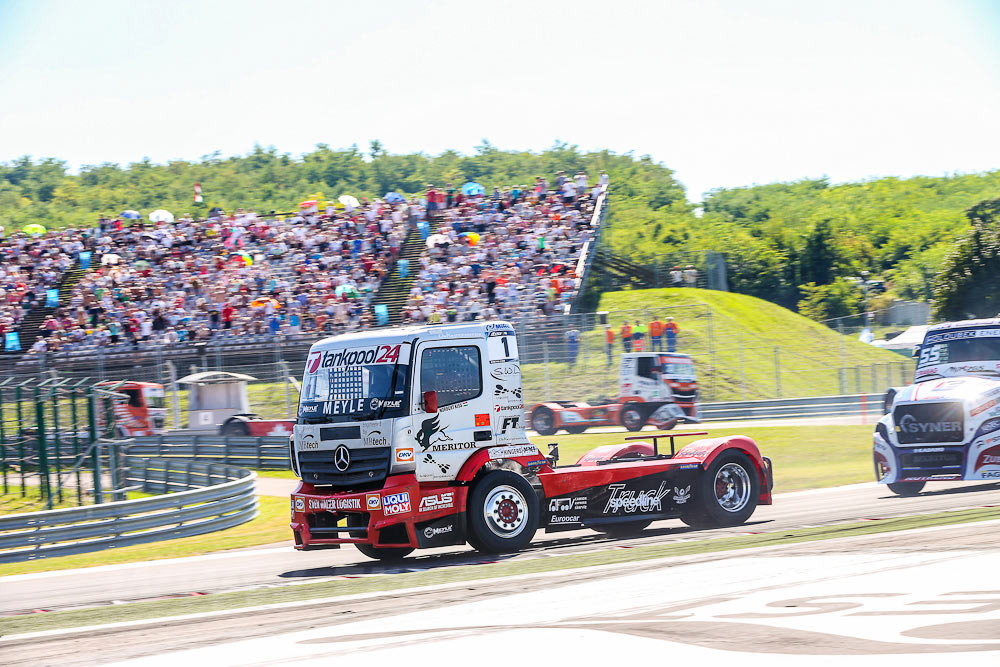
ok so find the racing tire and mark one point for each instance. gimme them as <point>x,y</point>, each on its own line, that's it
<point>726,494</point>
<point>632,417</point>
<point>387,554</point>
<point>235,427</point>
<point>906,488</point>
<point>575,430</point>
<point>626,529</point>
<point>543,421</point>
<point>502,512</point>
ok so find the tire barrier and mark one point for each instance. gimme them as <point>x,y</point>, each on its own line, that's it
<point>196,498</point>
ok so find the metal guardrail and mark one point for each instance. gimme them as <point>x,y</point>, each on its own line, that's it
<point>814,406</point>
<point>197,498</point>
<point>262,453</point>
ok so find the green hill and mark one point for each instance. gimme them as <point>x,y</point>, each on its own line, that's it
<point>743,347</point>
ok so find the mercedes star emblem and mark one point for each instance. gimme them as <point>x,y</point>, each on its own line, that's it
<point>342,458</point>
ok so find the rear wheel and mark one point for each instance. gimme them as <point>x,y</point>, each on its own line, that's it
<point>626,529</point>
<point>633,417</point>
<point>543,421</point>
<point>726,495</point>
<point>574,429</point>
<point>503,513</point>
<point>235,427</point>
<point>906,488</point>
<point>388,554</point>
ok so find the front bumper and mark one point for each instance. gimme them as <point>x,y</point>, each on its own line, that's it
<point>396,515</point>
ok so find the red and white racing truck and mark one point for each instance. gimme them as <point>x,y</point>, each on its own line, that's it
<point>657,388</point>
<point>414,437</point>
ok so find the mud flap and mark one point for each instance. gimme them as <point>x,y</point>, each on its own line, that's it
<point>442,532</point>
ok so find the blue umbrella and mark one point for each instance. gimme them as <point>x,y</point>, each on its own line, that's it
<point>132,215</point>
<point>471,189</point>
<point>394,198</point>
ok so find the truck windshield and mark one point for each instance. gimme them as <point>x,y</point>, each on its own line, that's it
<point>156,402</point>
<point>678,369</point>
<point>961,346</point>
<point>354,393</point>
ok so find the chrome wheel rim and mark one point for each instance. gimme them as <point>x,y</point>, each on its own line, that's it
<point>505,511</point>
<point>732,487</point>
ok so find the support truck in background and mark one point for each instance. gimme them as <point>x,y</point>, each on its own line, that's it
<point>415,437</point>
<point>657,388</point>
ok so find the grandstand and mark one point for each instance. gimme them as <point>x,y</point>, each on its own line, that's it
<point>245,278</point>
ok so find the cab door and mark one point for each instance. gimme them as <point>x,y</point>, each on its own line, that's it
<point>445,439</point>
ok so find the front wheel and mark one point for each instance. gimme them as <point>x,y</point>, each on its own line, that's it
<point>726,494</point>
<point>632,417</point>
<point>906,488</point>
<point>575,430</point>
<point>235,427</point>
<point>388,554</point>
<point>543,421</point>
<point>503,513</point>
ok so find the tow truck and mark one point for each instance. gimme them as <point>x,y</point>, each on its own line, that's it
<point>415,437</point>
<point>657,388</point>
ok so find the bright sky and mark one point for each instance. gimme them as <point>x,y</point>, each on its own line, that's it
<point>725,93</point>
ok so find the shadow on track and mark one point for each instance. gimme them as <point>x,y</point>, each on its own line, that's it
<point>951,491</point>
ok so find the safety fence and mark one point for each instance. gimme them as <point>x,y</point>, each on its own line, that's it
<point>196,498</point>
<point>864,405</point>
<point>262,453</point>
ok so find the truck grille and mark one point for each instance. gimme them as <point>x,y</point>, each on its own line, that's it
<point>919,423</point>
<point>369,466</point>
<point>948,462</point>
<point>685,395</point>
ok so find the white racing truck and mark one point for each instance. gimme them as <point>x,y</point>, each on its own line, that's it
<point>415,437</point>
<point>946,425</point>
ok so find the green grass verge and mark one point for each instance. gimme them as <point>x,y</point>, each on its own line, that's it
<point>269,527</point>
<point>225,601</point>
<point>13,502</point>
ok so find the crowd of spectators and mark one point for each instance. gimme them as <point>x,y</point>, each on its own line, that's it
<point>244,274</point>
<point>509,254</point>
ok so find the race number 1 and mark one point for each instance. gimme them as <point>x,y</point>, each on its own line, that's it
<point>502,348</point>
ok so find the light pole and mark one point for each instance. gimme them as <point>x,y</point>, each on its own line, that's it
<point>864,286</point>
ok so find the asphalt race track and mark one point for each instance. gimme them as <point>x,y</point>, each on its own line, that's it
<point>281,565</point>
<point>917,596</point>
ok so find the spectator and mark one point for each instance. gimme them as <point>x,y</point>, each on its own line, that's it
<point>656,329</point>
<point>676,277</point>
<point>639,336</point>
<point>671,329</point>
<point>609,341</point>
<point>626,333</point>
<point>690,276</point>
<point>572,345</point>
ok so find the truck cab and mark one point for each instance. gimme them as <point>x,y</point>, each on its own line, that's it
<point>946,425</point>
<point>144,412</point>
<point>656,377</point>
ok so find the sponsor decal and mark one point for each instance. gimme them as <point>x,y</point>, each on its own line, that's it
<point>988,457</point>
<point>376,439</point>
<point>404,455</point>
<point>927,371</point>
<point>396,503</point>
<point>502,391</point>
<point>309,442</point>
<point>382,354</point>
<point>300,504</point>
<point>928,450</point>
<point>483,419</point>
<point>505,372</point>
<point>519,407</point>
<point>431,531</point>
<point>681,496</point>
<point>513,451</point>
<point>984,407</point>
<point>688,466</point>
<point>437,501</point>
<point>991,474</point>
<point>335,504</point>
<point>431,432</point>
<point>628,500</point>
<point>373,501</point>
<point>453,446</point>
<point>909,424</point>
<point>960,335</point>
<point>568,504</point>
<point>510,423</point>
<point>565,519</point>
<point>453,406</point>
<point>430,460</point>
<point>378,403</point>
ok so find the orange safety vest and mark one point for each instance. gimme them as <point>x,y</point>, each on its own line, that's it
<point>609,336</point>
<point>656,328</point>
<point>625,331</point>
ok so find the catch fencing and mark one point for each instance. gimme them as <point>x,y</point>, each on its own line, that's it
<point>732,363</point>
<point>196,498</point>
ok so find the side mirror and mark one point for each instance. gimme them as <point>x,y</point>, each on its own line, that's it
<point>430,401</point>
